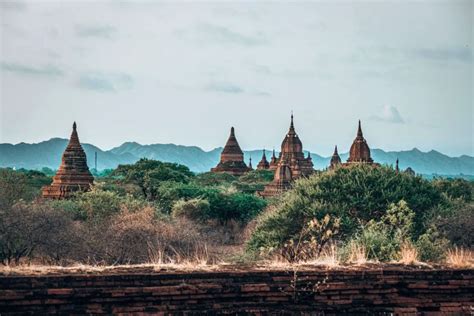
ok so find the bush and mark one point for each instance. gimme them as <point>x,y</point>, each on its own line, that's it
<point>455,188</point>
<point>456,224</point>
<point>431,246</point>
<point>13,187</point>
<point>382,240</point>
<point>194,209</point>
<point>31,230</point>
<point>355,194</point>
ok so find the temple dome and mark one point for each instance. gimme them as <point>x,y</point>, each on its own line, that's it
<point>360,151</point>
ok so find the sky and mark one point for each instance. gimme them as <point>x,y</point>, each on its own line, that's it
<point>185,72</point>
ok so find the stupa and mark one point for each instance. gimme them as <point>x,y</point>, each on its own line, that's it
<point>73,174</point>
<point>360,151</point>
<point>263,164</point>
<point>291,164</point>
<point>273,162</point>
<point>335,159</point>
<point>232,158</point>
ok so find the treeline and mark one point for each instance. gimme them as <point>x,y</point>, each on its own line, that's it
<point>154,211</point>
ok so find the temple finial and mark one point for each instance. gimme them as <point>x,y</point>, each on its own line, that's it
<point>232,131</point>
<point>74,125</point>
<point>359,130</point>
<point>264,156</point>
<point>335,150</point>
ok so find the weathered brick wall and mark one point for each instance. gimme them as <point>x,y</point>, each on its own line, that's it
<point>244,292</point>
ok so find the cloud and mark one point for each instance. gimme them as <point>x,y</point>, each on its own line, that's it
<point>105,82</point>
<point>463,54</point>
<point>389,114</point>
<point>48,70</point>
<point>13,5</point>
<point>224,87</point>
<point>224,35</point>
<point>105,32</point>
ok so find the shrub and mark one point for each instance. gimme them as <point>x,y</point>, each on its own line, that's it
<point>28,230</point>
<point>457,224</point>
<point>194,209</point>
<point>383,239</point>
<point>355,194</point>
<point>455,188</point>
<point>311,240</point>
<point>431,246</point>
<point>13,187</point>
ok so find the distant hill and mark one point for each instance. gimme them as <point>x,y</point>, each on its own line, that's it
<point>48,154</point>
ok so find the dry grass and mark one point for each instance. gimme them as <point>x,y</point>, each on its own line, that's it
<point>460,258</point>
<point>357,254</point>
<point>408,254</point>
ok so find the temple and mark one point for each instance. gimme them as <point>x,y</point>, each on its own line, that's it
<point>232,158</point>
<point>335,159</point>
<point>291,164</point>
<point>73,174</point>
<point>263,164</point>
<point>360,151</point>
<point>273,162</point>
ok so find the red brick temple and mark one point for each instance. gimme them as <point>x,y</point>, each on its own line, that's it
<point>73,174</point>
<point>232,158</point>
<point>263,164</point>
<point>360,151</point>
<point>335,159</point>
<point>273,162</point>
<point>291,164</point>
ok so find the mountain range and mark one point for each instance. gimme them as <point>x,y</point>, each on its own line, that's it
<point>48,154</point>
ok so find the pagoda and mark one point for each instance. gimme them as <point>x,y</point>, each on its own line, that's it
<point>232,158</point>
<point>73,174</point>
<point>263,164</point>
<point>335,159</point>
<point>291,164</point>
<point>273,162</point>
<point>360,151</point>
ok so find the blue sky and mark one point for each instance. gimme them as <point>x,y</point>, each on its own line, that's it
<point>184,72</point>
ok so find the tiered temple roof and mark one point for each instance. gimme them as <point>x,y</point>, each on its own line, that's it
<point>291,164</point>
<point>73,174</point>
<point>263,164</point>
<point>273,162</point>
<point>335,159</point>
<point>360,151</point>
<point>232,158</point>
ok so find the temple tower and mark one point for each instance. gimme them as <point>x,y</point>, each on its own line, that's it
<point>263,164</point>
<point>73,174</point>
<point>291,164</point>
<point>273,161</point>
<point>360,151</point>
<point>335,159</point>
<point>232,158</point>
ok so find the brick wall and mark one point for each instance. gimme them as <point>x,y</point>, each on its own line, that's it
<point>244,292</point>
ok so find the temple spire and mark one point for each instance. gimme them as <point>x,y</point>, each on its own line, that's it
<point>359,131</point>
<point>335,150</point>
<point>264,156</point>
<point>292,125</point>
<point>232,133</point>
<point>74,139</point>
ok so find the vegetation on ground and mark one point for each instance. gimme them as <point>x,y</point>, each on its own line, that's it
<point>162,213</point>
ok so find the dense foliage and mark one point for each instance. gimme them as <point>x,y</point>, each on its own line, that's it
<point>373,204</point>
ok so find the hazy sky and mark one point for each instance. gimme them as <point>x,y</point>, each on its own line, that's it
<point>186,72</point>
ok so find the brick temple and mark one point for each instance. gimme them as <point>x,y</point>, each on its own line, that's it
<point>335,159</point>
<point>360,151</point>
<point>290,165</point>
<point>232,158</point>
<point>263,164</point>
<point>73,174</point>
